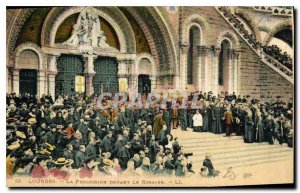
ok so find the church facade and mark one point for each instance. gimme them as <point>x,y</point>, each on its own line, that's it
<point>145,49</point>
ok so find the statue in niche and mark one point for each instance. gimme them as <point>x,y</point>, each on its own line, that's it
<point>87,31</point>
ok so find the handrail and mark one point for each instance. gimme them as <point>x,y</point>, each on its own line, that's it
<point>287,73</point>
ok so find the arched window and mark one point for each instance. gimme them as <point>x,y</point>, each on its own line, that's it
<point>223,61</point>
<point>194,40</point>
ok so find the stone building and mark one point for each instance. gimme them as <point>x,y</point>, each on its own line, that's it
<point>149,49</point>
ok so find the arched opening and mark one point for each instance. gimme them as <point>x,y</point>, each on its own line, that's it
<point>29,64</point>
<point>223,68</point>
<point>285,35</point>
<point>192,64</point>
<point>144,71</point>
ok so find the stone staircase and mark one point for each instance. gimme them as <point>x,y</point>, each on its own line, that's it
<point>265,58</point>
<point>230,152</point>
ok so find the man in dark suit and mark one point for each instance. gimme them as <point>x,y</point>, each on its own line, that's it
<point>209,165</point>
<point>80,157</point>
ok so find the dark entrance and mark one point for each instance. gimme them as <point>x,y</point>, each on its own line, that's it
<point>106,75</point>
<point>68,66</point>
<point>144,84</point>
<point>28,82</point>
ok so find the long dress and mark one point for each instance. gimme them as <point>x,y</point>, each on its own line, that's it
<point>217,120</point>
<point>205,115</point>
<point>260,130</point>
<point>248,129</point>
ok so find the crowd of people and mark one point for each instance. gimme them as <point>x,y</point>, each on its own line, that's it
<point>277,54</point>
<point>274,51</point>
<point>72,136</point>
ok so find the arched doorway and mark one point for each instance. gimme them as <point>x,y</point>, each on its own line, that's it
<point>223,68</point>
<point>68,67</point>
<point>29,65</point>
<point>144,84</point>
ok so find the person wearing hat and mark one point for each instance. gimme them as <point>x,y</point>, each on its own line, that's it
<point>40,132</point>
<point>61,169</point>
<point>80,157</point>
<point>124,155</point>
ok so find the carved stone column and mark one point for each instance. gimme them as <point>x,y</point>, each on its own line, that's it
<point>203,53</point>
<point>42,83</point>
<point>89,73</point>
<point>234,66</point>
<point>183,65</point>
<point>215,75</point>
<point>52,72</point>
<point>16,81</point>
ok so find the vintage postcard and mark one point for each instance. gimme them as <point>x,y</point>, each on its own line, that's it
<point>154,96</point>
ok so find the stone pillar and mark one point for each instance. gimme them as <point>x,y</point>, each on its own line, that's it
<point>42,83</point>
<point>153,82</point>
<point>52,72</point>
<point>16,81</point>
<point>183,65</point>
<point>89,73</point>
<point>203,53</point>
<point>124,72</point>
<point>215,83</point>
<point>234,74</point>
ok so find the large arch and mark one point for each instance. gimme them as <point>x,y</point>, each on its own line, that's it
<point>274,30</point>
<point>194,20</point>
<point>41,71</point>
<point>36,49</point>
<point>112,15</point>
<point>248,20</point>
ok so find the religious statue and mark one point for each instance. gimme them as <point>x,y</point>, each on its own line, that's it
<point>87,31</point>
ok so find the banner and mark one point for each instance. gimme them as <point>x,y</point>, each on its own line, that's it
<point>79,84</point>
<point>123,86</point>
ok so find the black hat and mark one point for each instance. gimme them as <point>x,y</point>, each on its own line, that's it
<point>53,126</point>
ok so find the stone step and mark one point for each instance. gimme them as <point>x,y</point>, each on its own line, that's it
<point>197,166</point>
<point>249,149</point>
<point>235,144</point>
<point>245,160</point>
<point>212,143</point>
<point>209,140</point>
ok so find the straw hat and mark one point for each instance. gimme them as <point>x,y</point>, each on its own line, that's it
<point>32,121</point>
<point>49,146</point>
<point>14,145</point>
<point>44,152</point>
<point>20,134</point>
<point>62,161</point>
<point>108,162</point>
